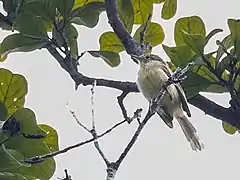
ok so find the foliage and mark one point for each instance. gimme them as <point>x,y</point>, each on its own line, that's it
<point>37,24</point>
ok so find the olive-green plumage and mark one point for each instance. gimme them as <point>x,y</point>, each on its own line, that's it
<point>152,74</point>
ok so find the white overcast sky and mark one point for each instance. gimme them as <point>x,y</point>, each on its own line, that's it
<point>159,153</point>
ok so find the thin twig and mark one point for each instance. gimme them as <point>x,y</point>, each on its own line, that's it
<point>143,34</point>
<point>94,131</point>
<point>121,105</point>
<point>79,123</point>
<point>38,159</point>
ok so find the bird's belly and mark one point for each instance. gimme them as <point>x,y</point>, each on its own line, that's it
<point>150,84</point>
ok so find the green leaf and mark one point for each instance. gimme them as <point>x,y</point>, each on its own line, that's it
<point>110,42</point>
<point>191,25</point>
<point>125,11</point>
<point>195,41</point>
<point>13,88</point>
<point>15,176</point>
<point>169,9</point>
<point>211,34</point>
<point>30,26</point>
<point>142,9</point>
<point>154,34</point>
<point>226,43</point>
<point>158,1</point>
<point>51,140</point>
<point>81,3</point>
<point>180,56</point>
<point>19,43</point>
<point>72,35</point>
<point>87,15</point>
<point>31,147</point>
<point>228,128</point>
<point>234,27</point>
<point>65,7</point>
<point>194,84</point>
<point>3,111</point>
<point>111,58</point>
<point>41,8</point>
<point>222,65</point>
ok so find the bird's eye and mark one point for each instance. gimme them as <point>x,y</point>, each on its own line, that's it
<point>147,57</point>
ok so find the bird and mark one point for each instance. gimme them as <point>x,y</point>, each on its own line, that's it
<point>152,74</point>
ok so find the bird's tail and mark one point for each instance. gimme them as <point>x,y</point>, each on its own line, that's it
<point>189,131</point>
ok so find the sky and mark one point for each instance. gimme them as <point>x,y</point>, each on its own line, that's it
<point>159,152</point>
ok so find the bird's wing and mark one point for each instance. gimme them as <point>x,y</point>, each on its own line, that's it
<point>183,99</point>
<point>181,93</point>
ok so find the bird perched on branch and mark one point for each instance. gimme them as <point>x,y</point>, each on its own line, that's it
<point>153,73</point>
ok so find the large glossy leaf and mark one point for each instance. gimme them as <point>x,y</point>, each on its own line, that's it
<point>88,15</point>
<point>142,9</point>
<point>13,88</point>
<point>3,112</point>
<point>110,42</point>
<point>154,34</point>
<point>169,9</point>
<point>125,11</point>
<point>80,3</point>
<point>194,84</point>
<point>191,25</point>
<point>65,7</point>
<point>30,26</point>
<point>72,35</point>
<point>111,58</point>
<point>19,43</point>
<point>31,147</point>
<point>51,140</point>
<point>42,8</point>
<point>180,56</point>
<point>234,27</point>
<point>226,43</point>
<point>228,128</point>
<point>195,41</point>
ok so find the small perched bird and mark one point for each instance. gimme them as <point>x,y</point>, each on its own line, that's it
<point>152,74</point>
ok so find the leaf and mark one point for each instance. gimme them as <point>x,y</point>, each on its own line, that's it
<point>30,26</point>
<point>234,27</point>
<point>169,9</point>
<point>222,65</point>
<point>15,176</point>
<point>41,8</point>
<point>226,43</point>
<point>87,15</point>
<point>228,128</point>
<point>154,34</point>
<point>65,7</point>
<point>195,41</point>
<point>111,58</point>
<point>72,35</point>
<point>19,43</point>
<point>142,9</point>
<point>51,140</point>
<point>3,111</point>
<point>211,34</point>
<point>158,1</point>
<point>31,147</point>
<point>81,3</point>
<point>125,11</point>
<point>13,88</point>
<point>194,84</point>
<point>180,56</point>
<point>191,25</point>
<point>110,42</point>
